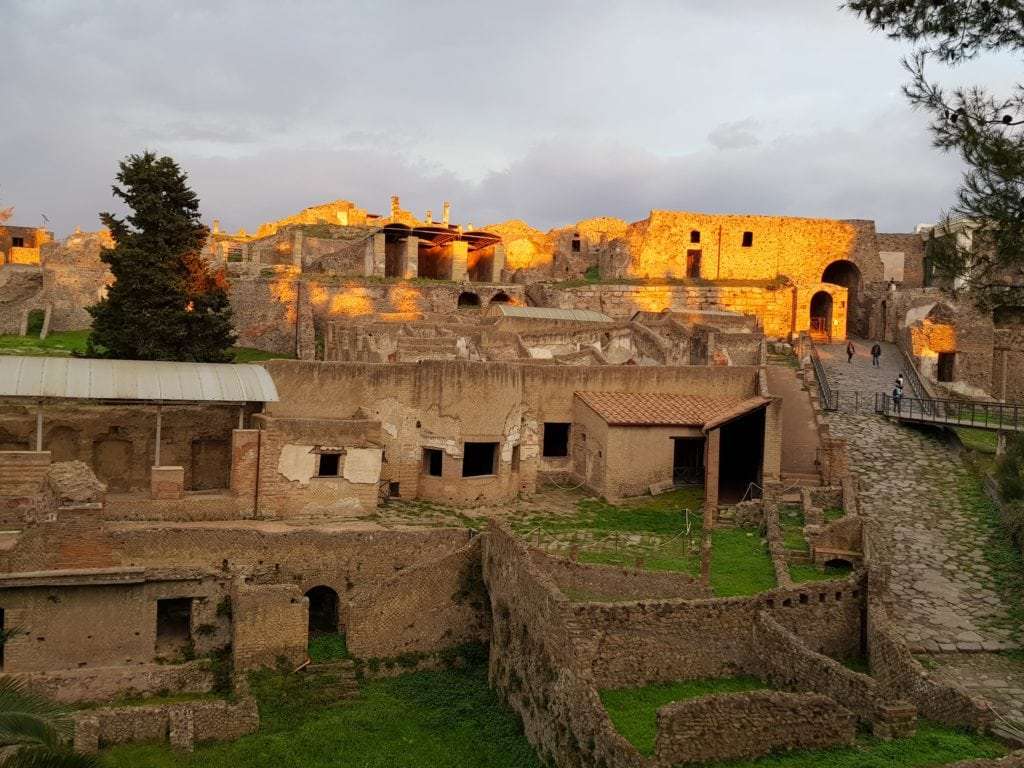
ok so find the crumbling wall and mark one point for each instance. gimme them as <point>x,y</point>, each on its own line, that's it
<point>106,683</point>
<point>429,606</point>
<point>608,583</point>
<point>737,725</point>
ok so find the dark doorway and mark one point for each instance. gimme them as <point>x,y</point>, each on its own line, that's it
<point>432,458</point>
<point>947,362</point>
<point>556,439</point>
<point>468,299</point>
<point>211,464</point>
<point>821,316</point>
<point>693,263</point>
<point>847,274</point>
<point>688,461</point>
<point>323,611</point>
<point>500,298</point>
<point>740,458</point>
<point>174,620</point>
<point>478,459</point>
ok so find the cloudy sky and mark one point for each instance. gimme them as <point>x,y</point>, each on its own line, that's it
<point>546,110</point>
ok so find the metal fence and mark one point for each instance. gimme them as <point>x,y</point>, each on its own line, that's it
<point>829,401</point>
<point>1005,417</point>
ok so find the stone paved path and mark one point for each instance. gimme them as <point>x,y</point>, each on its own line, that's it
<point>800,441</point>
<point>942,598</point>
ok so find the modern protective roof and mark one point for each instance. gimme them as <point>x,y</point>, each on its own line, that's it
<point>659,409</point>
<point>85,379</point>
<point>549,313</point>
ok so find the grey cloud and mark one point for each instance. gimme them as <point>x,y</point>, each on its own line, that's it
<point>737,135</point>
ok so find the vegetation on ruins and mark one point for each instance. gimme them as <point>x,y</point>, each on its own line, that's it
<point>983,128</point>
<point>446,719</point>
<point>165,303</point>
<point>37,728</point>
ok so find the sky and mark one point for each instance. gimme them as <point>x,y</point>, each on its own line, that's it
<point>544,110</point>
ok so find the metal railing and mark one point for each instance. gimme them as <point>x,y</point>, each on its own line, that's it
<point>829,401</point>
<point>1003,417</point>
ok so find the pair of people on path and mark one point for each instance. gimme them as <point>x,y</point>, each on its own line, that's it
<point>876,353</point>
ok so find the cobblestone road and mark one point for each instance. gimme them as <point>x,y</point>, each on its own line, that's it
<point>942,598</point>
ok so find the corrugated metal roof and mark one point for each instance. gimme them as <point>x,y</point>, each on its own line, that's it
<point>550,313</point>
<point>656,408</point>
<point>86,379</point>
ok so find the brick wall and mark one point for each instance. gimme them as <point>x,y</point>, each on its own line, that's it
<point>23,473</point>
<point>106,683</point>
<point>427,607</point>
<point>270,622</point>
<point>608,583</point>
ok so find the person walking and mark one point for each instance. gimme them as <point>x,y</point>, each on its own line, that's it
<point>876,352</point>
<point>897,396</point>
<point>850,351</point>
<point>899,380</point>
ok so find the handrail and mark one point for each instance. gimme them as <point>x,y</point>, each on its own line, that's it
<point>828,402</point>
<point>963,413</point>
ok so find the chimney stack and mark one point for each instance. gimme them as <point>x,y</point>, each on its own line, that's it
<point>394,207</point>
<point>446,212</point>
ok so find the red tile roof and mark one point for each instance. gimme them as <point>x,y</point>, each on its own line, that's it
<point>656,408</point>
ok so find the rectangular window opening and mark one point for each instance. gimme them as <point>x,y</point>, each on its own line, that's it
<point>329,465</point>
<point>748,239</point>
<point>18,242</point>
<point>432,458</point>
<point>695,236</point>
<point>556,439</point>
<point>479,459</point>
<point>174,619</point>
<point>575,245</point>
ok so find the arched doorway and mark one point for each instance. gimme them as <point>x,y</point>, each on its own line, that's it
<point>847,274</point>
<point>500,298</point>
<point>468,299</point>
<point>821,316</point>
<point>323,611</point>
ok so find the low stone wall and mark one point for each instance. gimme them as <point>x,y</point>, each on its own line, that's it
<point>181,724</point>
<point>608,583</point>
<point>105,683</point>
<point>898,673</point>
<point>426,607</point>
<point>737,725</point>
<point>788,664</point>
<point>841,539</point>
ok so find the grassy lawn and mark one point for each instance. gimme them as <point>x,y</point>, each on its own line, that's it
<point>654,529</point>
<point>980,440</point>
<point>327,648</point>
<point>64,343</point>
<point>931,745</point>
<point>791,521</point>
<point>633,710</point>
<point>447,719</point>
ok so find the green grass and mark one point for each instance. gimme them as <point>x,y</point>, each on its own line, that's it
<point>857,664</point>
<point>60,343</point>
<point>1005,561</point>
<point>633,711</point>
<point>802,573</point>
<point>791,521</point>
<point>979,440</point>
<point>64,343</point>
<point>327,648</point>
<point>448,719</point>
<point>740,564</point>
<point>832,514</point>
<point>931,745</point>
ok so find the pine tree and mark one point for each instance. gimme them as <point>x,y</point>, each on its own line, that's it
<point>164,304</point>
<point>983,128</point>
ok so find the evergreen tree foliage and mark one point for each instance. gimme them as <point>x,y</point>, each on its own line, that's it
<point>165,303</point>
<point>983,128</point>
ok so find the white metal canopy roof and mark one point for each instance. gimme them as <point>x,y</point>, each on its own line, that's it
<point>86,379</point>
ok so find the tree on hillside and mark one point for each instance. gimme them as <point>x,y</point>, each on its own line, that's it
<point>165,303</point>
<point>983,128</point>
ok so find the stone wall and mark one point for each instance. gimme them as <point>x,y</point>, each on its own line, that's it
<point>23,473</point>
<point>106,683</point>
<point>427,607</point>
<point>738,725</point>
<point>270,626</point>
<point>609,583</point>
<point>906,251</point>
<point>182,724</point>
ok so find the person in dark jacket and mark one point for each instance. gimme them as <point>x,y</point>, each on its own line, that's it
<point>876,352</point>
<point>850,351</point>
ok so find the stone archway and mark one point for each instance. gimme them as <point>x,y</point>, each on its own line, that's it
<point>468,299</point>
<point>323,610</point>
<point>847,274</point>
<point>500,298</point>
<point>821,316</point>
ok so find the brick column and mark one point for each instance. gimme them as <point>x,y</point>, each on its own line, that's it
<point>498,264</point>
<point>771,468</point>
<point>376,256</point>
<point>712,448</point>
<point>243,461</point>
<point>410,263</point>
<point>459,253</point>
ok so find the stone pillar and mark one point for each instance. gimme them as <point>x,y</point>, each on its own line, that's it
<point>297,248</point>
<point>446,213</point>
<point>244,451</point>
<point>181,727</point>
<point>712,447</point>
<point>376,257</point>
<point>895,720</point>
<point>410,262</point>
<point>498,263</point>
<point>771,468</point>
<point>167,482</point>
<point>459,251</point>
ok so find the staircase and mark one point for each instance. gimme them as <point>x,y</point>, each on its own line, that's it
<point>411,349</point>
<point>331,682</point>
